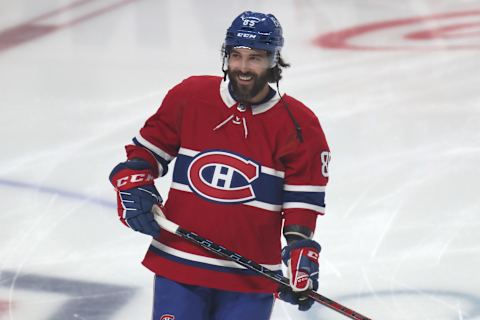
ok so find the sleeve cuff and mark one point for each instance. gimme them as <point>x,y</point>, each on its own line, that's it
<point>302,217</point>
<point>139,152</point>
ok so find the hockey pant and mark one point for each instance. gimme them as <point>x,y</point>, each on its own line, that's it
<point>175,301</point>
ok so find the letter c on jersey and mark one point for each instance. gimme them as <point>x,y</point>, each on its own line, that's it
<point>223,177</point>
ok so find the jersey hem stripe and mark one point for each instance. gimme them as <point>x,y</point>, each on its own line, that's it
<point>206,260</point>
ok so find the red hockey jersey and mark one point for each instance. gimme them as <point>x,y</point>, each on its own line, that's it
<point>240,173</point>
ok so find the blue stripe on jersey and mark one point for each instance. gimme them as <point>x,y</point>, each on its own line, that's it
<point>202,265</point>
<point>314,198</point>
<point>163,162</point>
<point>267,188</point>
<point>180,170</point>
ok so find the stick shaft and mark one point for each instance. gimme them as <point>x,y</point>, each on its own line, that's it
<point>249,264</point>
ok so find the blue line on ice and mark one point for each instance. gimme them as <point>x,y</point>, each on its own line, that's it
<point>57,191</point>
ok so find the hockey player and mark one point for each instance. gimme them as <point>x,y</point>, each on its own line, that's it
<point>250,165</point>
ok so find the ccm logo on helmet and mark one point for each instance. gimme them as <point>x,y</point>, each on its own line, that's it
<point>246,35</point>
<point>221,176</point>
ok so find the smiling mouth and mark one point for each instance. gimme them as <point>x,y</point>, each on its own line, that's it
<point>245,77</point>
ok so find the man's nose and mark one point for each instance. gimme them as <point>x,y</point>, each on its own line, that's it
<point>244,65</point>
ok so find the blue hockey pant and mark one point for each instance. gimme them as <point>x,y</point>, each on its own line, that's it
<point>175,301</point>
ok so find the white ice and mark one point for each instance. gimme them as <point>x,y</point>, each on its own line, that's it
<point>401,235</point>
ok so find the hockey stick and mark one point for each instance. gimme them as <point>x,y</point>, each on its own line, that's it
<point>249,264</point>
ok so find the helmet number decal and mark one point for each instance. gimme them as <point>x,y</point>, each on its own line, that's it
<point>249,23</point>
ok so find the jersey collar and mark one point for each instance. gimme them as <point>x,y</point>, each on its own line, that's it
<point>256,108</point>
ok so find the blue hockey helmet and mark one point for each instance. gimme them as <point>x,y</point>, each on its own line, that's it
<point>256,31</point>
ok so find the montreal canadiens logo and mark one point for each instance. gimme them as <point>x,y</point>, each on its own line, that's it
<point>224,177</point>
<point>167,317</point>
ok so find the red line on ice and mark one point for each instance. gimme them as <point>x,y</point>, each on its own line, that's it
<point>36,27</point>
<point>341,39</point>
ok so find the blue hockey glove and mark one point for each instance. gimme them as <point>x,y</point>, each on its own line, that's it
<point>136,195</point>
<point>301,259</point>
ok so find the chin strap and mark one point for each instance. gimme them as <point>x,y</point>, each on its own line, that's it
<point>224,62</point>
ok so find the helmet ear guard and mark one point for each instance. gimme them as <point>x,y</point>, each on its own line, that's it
<point>224,62</point>
<point>274,59</point>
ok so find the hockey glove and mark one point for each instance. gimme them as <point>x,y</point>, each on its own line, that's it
<point>136,195</point>
<point>301,258</point>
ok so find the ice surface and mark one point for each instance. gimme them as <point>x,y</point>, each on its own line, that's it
<point>401,235</point>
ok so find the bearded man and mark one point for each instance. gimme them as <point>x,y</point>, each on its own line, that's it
<point>251,165</point>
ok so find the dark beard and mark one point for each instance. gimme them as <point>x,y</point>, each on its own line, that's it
<point>242,93</point>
